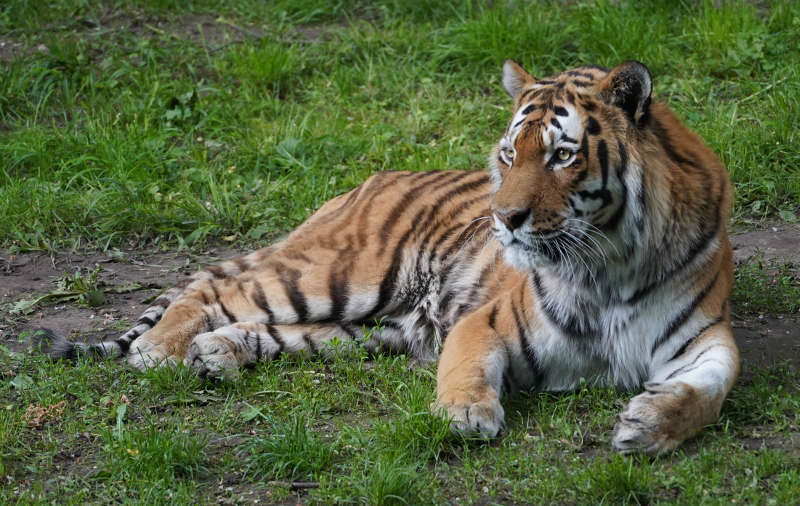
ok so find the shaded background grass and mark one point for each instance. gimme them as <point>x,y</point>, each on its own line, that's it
<point>181,121</point>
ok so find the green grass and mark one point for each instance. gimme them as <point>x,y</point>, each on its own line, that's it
<point>360,430</point>
<point>237,121</point>
<point>131,125</point>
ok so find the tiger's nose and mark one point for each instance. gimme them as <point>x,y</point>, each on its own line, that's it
<point>513,219</point>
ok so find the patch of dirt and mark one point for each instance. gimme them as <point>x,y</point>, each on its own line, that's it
<point>204,29</point>
<point>27,275</point>
<point>779,242</point>
<point>763,338</point>
<point>767,339</point>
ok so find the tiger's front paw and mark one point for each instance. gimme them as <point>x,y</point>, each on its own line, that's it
<point>481,415</point>
<point>145,354</point>
<point>659,419</point>
<point>213,355</point>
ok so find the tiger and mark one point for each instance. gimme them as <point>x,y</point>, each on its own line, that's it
<point>593,251</point>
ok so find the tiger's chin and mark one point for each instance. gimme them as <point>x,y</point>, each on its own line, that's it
<point>526,257</point>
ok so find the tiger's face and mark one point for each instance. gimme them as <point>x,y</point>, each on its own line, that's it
<point>559,170</point>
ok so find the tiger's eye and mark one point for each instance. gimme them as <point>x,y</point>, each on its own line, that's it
<point>509,153</point>
<point>563,154</point>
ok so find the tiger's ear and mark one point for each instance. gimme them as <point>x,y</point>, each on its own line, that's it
<point>628,87</point>
<point>515,78</point>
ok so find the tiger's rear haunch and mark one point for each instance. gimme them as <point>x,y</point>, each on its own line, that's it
<point>596,249</point>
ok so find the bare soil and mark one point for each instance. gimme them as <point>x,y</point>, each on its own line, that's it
<point>763,339</point>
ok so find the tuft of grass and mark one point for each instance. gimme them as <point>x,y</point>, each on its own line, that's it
<point>618,480</point>
<point>153,454</point>
<point>291,451</point>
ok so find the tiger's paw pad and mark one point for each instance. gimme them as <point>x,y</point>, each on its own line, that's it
<point>485,417</point>
<point>651,421</point>
<point>212,356</point>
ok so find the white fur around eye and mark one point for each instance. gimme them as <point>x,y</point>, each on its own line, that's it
<point>507,154</point>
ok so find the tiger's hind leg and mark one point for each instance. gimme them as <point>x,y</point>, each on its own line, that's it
<point>222,352</point>
<point>684,394</point>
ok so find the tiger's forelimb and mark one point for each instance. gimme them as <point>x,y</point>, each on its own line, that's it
<point>683,395</point>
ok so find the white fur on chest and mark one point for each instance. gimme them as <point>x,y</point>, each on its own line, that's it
<point>621,351</point>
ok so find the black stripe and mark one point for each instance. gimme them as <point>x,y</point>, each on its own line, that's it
<point>577,73</point>
<point>216,271</point>
<point>310,343</point>
<point>529,109</point>
<point>353,195</point>
<point>691,365</point>
<point>642,198</point>
<point>492,317</point>
<point>592,126</point>
<point>289,278</point>
<point>348,330</point>
<point>666,144</point>
<point>529,354</point>
<point>684,315</point>
<point>623,164</point>
<point>560,111</point>
<point>427,179</point>
<point>531,91</point>
<point>339,289</point>
<point>686,369</point>
<point>259,351</point>
<point>602,157</point>
<point>440,221</point>
<point>692,339</point>
<point>240,264</point>
<point>276,336</point>
<point>695,250</point>
<point>555,123</point>
<point>124,344</point>
<point>572,327</point>
<point>224,309</point>
<point>261,301</point>
<point>146,320</point>
<point>386,289</point>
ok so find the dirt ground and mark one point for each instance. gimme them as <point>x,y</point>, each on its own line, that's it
<point>763,338</point>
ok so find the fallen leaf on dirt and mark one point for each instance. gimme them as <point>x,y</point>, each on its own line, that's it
<point>36,416</point>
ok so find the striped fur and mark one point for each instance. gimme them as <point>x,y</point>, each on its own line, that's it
<point>594,249</point>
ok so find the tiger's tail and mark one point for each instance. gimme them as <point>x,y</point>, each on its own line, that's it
<point>58,347</point>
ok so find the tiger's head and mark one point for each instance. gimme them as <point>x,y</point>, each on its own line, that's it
<point>559,171</point>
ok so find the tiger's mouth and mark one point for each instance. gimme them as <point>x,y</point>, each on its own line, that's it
<point>552,246</point>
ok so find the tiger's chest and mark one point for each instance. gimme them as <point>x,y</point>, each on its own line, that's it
<point>608,341</point>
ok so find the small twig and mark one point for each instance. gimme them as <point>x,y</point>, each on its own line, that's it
<point>294,485</point>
